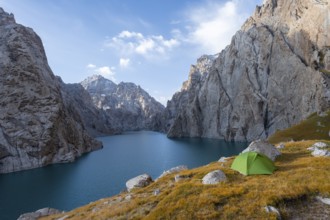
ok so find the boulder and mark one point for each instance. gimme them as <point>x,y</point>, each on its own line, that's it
<point>214,177</point>
<point>156,192</point>
<point>320,145</point>
<point>321,153</point>
<point>173,170</point>
<point>138,182</point>
<point>38,214</point>
<point>271,209</point>
<point>223,159</point>
<point>263,147</point>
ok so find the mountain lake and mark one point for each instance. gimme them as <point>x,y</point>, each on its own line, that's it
<point>103,173</point>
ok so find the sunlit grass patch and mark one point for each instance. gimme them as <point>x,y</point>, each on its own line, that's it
<point>315,127</point>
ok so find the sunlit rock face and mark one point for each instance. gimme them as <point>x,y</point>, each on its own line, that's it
<point>274,74</point>
<point>128,106</point>
<point>37,127</point>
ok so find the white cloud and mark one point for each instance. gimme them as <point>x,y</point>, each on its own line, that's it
<point>91,66</point>
<point>124,62</point>
<point>107,72</point>
<point>133,43</point>
<point>212,25</point>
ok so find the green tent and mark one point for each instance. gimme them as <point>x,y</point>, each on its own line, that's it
<point>250,163</point>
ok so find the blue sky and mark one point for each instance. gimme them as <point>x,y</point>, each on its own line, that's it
<point>149,42</point>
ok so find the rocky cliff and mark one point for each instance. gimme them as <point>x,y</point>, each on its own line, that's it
<point>127,105</point>
<point>275,72</point>
<point>37,127</point>
<point>95,120</point>
<point>189,90</point>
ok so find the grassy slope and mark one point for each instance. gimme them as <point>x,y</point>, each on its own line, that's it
<point>298,175</point>
<point>313,128</point>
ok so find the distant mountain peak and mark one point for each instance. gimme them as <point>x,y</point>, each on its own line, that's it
<point>127,105</point>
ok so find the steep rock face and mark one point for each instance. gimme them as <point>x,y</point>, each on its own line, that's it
<point>94,119</point>
<point>189,90</point>
<point>127,105</point>
<point>36,127</point>
<point>274,73</point>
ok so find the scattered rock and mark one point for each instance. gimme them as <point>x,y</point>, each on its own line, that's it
<point>271,209</point>
<point>173,170</point>
<point>263,147</point>
<point>280,146</point>
<point>156,192</point>
<point>63,218</point>
<point>320,145</point>
<point>138,182</point>
<point>321,153</point>
<point>214,177</point>
<point>128,197</point>
<point>180,177</point>
<point>323,200</point>
<point>223,159</point>
<point>311,148</point>
<point>38,214</point>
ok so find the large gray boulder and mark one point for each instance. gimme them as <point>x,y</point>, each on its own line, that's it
<point>321,153</point>
<point>273,75</point>
<point>38,214</point>
<point>214,177</point>
<point>173,170</point>
<point>138,182</point>
<point>263,147</point>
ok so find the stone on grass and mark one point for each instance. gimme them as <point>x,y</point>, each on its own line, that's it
<point>280,146</point>
<point>321,153</point>
<point>320,145</point>
<point>128,197</point>
<point>156,192</point>
<point>173,170</point>
<point>223,159</point>
<point>214,177</point>
<point>263,147</point>
<point>38,214</point>
<point>138,182</point>
<point>272,209</point>
<point>311,148</point>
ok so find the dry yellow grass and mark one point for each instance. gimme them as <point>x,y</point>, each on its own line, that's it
<point>298,175</point>
<point>313,128</point>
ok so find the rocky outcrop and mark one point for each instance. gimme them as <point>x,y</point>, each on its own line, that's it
<point>138,182</point>
<point>38,214</point>
<point>95,120</point>
<point>188,92</point>
<point>176,169</point>
<point>274,73</point>
<point>36,126</point>
<point>263,147</point>
<point>127,105</point>
<point>214,177</point>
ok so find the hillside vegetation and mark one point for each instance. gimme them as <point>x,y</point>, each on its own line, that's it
<point>315,127</point>
<point>292,189</point>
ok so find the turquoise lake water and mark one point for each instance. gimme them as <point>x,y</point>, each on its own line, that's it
<point>103,173</point>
